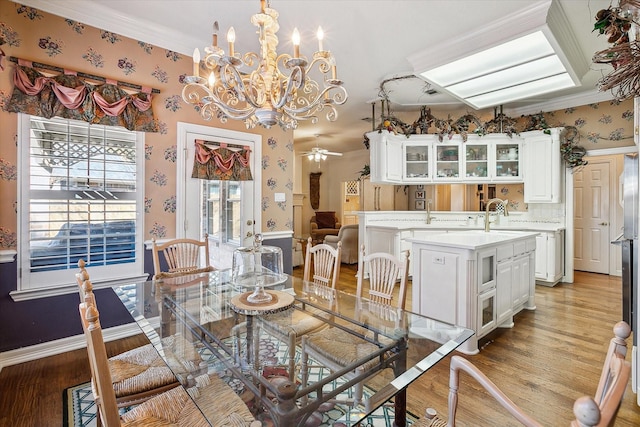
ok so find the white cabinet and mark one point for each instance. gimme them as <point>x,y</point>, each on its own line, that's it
<point>448,160</point>
<point>507,152</point>
<point>549,262</point>
<point>424,159</point>
<point>504,283</point>
<point>542,166</point>
<point>386,157</point>
<point>469,280</point>
<point>417,162</point>
<point>476,161</point>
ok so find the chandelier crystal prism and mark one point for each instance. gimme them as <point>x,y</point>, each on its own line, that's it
<point>265,88</point>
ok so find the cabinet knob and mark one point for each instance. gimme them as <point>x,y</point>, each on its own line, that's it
<point>604,223</point>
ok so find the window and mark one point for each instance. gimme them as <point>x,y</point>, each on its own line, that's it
<point>81,192</point>
<point>223,211</point>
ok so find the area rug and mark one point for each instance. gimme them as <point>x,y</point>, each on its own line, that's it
<point>80,408</point>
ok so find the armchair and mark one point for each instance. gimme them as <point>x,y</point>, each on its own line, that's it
<point>324,224</point>
<point>348,236</point>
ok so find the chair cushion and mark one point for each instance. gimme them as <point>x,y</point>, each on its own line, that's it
<point>342,347</point>
<point>326,219</point>
<point>215,398</point>
<point>139,370</point>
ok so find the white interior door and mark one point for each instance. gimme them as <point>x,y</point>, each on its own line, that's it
<point>592,218</point>
<point>229,211</point>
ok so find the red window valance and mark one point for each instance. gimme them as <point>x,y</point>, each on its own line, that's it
<point>221,161</point>
<point>69,96</point>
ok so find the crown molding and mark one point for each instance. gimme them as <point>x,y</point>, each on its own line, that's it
<point>570,101</point>
<point>487,35</point>
<point>104,18</point>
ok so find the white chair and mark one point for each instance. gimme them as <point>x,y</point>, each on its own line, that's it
<point>322,268</point>
<point>589,412</point>
<point>336,348</point>
<point>182,256</point>
<point>174,407</point>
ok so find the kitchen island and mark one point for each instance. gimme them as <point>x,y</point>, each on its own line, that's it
<point>389,232</point>
<point>475,279</point>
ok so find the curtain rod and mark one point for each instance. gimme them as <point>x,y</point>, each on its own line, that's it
<point>80,74</point>
<point>218,143</point>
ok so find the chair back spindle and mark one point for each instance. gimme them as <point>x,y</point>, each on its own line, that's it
<point>385,273</point>
<point>325,261</point>
<point>182,256</point>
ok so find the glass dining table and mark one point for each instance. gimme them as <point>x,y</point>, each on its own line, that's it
<point>221,333</point>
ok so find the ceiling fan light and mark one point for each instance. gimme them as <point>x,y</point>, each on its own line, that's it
<point>310,156</point>
<point>324,157</point>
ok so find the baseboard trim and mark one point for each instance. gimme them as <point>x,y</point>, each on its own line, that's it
<point>52,348</point>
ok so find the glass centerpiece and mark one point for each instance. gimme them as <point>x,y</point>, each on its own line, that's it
<point>257,267</point>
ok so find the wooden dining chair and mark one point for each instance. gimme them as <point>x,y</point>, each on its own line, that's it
<point>182,256</point>
<point>216,399</point>
<point>322,268</point>
<point>336,348</point>
<point>385,273</point>
<point>138,374</point>
<point>601,410</point>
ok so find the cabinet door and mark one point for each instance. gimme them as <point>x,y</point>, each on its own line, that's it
<point>487,319</point>
<point>507,153</point>
<point>542,168</point>
<point>417,166</point>
<point>476,161</point>
<point>386,157</point>
<point>486,270</point>
<point>541,256</point>
<point>504,283</point>
<point>448,159</point>
<point>521,281</point>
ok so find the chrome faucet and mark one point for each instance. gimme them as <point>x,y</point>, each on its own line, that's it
<point>505,205</point>
<point>429,211</point>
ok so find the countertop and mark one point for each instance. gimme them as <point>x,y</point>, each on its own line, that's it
<point>473,239</point>
<point>450,225</point>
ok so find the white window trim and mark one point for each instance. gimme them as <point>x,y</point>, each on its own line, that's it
<point>26,292</point>
<point>182,187</point>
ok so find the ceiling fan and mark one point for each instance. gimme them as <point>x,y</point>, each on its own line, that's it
<point>316,154</point>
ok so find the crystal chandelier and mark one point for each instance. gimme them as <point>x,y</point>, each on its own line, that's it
<point>275,89</point>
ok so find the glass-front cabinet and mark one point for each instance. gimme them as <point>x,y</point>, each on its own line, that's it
<point>417,158</point>
<point>447,161</point>
<point>507,164</point>
<point>476,160</point>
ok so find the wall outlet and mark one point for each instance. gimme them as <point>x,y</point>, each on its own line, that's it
<point>280,197</point>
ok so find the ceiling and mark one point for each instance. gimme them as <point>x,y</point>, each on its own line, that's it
<point>371,40</point>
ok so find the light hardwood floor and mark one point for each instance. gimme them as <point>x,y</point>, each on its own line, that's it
<point>551,357</point>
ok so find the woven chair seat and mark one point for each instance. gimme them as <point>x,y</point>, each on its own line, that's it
<point>341,347</point>
<point>142,369</point>
<point>175,407</point>
<point>295,320</point>
<point>139,370</point>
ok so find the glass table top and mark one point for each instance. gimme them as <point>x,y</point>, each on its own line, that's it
<point>194,323</point>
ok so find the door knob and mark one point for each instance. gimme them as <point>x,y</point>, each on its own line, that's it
<point>604,223</point>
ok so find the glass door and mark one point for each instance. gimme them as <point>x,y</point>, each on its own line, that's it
<point>225,210</point>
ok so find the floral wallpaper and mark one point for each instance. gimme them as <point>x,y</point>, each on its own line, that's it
<point>41,37</point>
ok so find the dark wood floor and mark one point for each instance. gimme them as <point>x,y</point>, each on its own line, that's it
<point>551,357</point>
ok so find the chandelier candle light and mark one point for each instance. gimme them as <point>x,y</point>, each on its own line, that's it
<point>276,89</point>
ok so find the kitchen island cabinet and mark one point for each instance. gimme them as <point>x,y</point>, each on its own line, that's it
<point>475,279</point>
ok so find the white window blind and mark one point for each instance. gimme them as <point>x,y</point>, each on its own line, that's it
<point>80,198</point>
